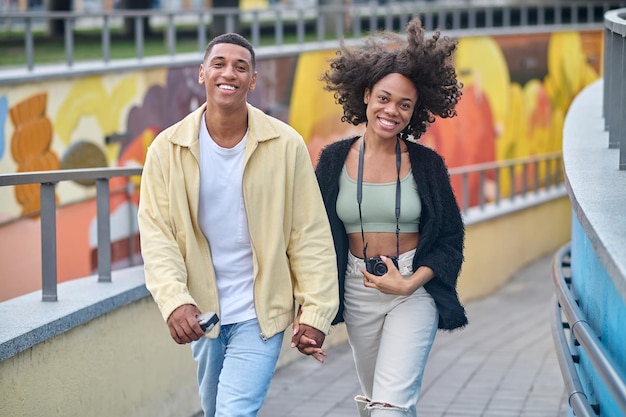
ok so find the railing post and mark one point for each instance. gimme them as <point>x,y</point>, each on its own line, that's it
<point>300,27</point>
<point>622,107</point>
<point>171,34</point>
<point>607,78</point>
<point>613,48</point>
<point>513,184</point>
<point>132,221</point>
<point>202,42</point>
<point>356,22</point>
<point>69,41</point>
<point>230,22</point>
<point>139,37</point>
<point>104,230</point>
<point>320,25</point>
<point>498,195</point>
<point>255,29</point>
<point>524,179</point>
<point>29,43</point>
<point>465,193</point>
<point>481,189</point>
<point>48,242</point>
<point>278,28</point>
<point>339,24</point>
<point>106,39</point>
<point>614,83</point>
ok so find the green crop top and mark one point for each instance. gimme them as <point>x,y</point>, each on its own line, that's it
<point>378,205</point>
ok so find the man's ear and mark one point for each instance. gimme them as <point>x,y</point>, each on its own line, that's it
<point>252,82</point>
<point>201,74</point>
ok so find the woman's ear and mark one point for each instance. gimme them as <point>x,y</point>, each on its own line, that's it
<point>366,96</point>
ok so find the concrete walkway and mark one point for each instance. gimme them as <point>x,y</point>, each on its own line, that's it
<point>501,365</point>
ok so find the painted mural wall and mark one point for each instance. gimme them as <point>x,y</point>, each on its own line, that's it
<point>516,92</point>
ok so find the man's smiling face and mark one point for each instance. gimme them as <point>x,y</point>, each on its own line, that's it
<point>227,75</point>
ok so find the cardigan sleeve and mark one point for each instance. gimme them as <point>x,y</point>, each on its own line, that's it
<point>447,233</point>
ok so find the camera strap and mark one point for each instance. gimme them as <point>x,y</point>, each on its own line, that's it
<point>359,194</point>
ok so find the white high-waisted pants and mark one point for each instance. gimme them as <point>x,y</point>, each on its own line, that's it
<point>391,337</point>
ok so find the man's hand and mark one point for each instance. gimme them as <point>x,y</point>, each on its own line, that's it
<point>183,324</point>
<point>308,339</point>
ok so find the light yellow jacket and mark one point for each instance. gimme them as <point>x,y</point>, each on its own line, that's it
<point>292,246</point>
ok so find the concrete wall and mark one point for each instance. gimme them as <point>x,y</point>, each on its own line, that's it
<point>123,362</point>
<point>496,248</point>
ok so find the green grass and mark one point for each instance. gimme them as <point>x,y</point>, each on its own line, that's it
<point>88,45</point>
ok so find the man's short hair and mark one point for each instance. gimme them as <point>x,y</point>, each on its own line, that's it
<point>235,39</point>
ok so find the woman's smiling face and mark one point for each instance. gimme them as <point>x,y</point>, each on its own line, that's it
<point>390,104</point>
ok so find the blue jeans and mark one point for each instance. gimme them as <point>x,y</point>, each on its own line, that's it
<point>235,369</point>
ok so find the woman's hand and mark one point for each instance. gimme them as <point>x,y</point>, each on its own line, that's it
<point>307,339</point>
<point>393,282</point>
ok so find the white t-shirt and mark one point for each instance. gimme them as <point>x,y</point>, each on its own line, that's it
<point>222,218</point>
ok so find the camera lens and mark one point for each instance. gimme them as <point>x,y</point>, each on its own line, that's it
<point>380,268</point>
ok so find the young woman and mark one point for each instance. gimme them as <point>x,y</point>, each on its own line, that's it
<point>396,226</point>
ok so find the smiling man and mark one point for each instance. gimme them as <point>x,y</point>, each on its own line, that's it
<point>232,221</point>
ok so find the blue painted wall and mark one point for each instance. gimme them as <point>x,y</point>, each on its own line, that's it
<point>605,310</point>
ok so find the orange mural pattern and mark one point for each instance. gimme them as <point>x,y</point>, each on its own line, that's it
<point>30,147</point>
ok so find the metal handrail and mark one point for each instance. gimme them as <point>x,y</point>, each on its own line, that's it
<point>329,20</point>
<point>585,336</point>
<point>552,162</point>
<point>47,181</point>
<point>576,397</point>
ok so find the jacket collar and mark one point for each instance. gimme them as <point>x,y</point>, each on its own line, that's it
<point>186,132</point>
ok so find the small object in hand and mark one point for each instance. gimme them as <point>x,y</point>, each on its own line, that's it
<point>207,320</point>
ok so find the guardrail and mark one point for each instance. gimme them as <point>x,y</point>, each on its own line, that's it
<point>614,104</point>
<point>311,26</point>
<point>583,337</point>
<point>524,175</point>
<point>47,181</point>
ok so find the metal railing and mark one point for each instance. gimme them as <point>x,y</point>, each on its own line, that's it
<point>48,180</point>
<point>614,104</point>
<point>310,25</point>
<point>524,175</point>
<point>581,336</point>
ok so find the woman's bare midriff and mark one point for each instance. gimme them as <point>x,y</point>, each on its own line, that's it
<point>381,243</point>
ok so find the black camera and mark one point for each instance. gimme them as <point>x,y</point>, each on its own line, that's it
<point>377,266</point>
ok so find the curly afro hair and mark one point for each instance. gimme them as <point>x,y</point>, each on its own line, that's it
<point>426,61</point>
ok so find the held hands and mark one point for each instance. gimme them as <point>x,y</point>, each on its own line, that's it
<point>308,339</point>
<point>392,282</point>
<point>183,324</point>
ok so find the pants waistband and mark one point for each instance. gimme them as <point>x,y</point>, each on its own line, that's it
<point>405,263</point>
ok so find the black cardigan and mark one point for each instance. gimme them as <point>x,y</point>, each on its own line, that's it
<point>441,227</point>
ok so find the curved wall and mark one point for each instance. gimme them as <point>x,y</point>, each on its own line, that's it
<point>598,246</point>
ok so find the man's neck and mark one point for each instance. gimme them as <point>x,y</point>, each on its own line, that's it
<point>226,128</point>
